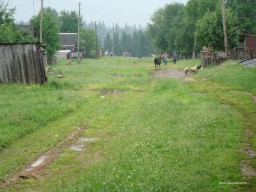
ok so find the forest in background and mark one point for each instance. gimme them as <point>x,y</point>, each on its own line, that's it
<point>173,27</point>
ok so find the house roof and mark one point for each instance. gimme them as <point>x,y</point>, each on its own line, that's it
<point>68,39</point>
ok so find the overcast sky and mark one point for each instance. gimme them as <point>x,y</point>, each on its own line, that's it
<point>132,12</point>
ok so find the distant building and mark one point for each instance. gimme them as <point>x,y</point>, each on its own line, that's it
<point>126,53</point>
<point>68,41</point>
<point>250,44</point>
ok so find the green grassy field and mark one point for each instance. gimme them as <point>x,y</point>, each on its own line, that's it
<point>149,133</point>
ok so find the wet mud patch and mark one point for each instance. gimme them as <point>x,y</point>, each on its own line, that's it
<point>172,73</point>
<point>80,144</point>
<point>126,75</point>
<point>34,169</point>
<point>110,92</point>
<point>117,75</point>
<point>168,73</point>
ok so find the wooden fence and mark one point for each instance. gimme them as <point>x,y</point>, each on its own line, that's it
<point>21,63</point>
<point>211,58</point>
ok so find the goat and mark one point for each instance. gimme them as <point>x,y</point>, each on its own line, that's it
<point>191,69</point>
<point>186,70</point>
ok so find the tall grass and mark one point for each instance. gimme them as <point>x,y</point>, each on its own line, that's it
<point>234,74</point>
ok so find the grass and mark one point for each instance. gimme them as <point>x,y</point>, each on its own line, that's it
<point>152,134</point>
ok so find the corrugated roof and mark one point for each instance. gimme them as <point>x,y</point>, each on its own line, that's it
<point>68,39</point>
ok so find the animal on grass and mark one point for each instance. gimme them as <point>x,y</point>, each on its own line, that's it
<point>186,70</point>
<point>157,62</point>
<point>193,69</point>
<point>190,70</point>
<point>60,74</point>
<point>49,69</point>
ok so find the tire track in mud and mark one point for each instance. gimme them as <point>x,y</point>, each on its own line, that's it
<point>33,170</point>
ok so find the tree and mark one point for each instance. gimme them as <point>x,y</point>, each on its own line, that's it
<point>117,48</point>
<point>194,11</point>
<point>87,40</point>
<point>50,30</point>
<point>9,32</point>
<point>125,42</point>
<point>68,21</point>
<point>246,14</point>
<point>209,29</point>
<point>108,43</point>
<point>165,26</point>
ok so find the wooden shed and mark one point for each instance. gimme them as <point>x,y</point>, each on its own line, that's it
<point>250,44</point>
<point>21,63</point>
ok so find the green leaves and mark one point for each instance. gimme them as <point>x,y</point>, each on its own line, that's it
<point>50,30</point>
<point>209,30</point>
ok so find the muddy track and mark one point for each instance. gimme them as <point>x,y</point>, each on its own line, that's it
<point>33,170</point>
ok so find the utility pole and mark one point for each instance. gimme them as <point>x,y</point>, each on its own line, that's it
<point>113,40</point>
<point>96,43</point>
<point>78,34</point>
<point>225,28</point>
<point>41,22</point>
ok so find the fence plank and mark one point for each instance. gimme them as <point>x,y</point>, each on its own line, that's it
<point>21,63</point>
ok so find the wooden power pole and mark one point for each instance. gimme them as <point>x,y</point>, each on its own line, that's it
<point>225,28</point>
<point>96,41</point>
<point>78,33</point>
<point>41,22</point>
<point>113,40</point>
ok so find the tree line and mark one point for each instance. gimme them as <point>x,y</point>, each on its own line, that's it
<point>173,27</point>
<point>121,39</point>
<point>187,28</point>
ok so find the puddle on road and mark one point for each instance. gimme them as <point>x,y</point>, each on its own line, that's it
<point>37,163</point>
<point>79,146</point>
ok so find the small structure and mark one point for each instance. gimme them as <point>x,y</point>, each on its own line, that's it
<point>246,48</point>
<point>208,57</point>
<point>126,53</point>
<point>22,63</point>
<point>250,44</point>
<point>68,41</point>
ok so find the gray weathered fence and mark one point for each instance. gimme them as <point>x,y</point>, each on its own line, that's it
<point>21,63</point>
<point>211,58</point>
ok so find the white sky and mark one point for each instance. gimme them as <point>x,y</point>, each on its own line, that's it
<point>132,12</point>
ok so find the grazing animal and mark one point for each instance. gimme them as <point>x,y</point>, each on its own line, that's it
<point>50,69</point>
<point>193,69</point>
<point>189,70</point>
<point>60,74</point>
<point>157,62</point>
<point>186,70</point>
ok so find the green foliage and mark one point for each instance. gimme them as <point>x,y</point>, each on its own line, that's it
<point>87,40</point>
<point>108,43</point>
<point>246,14</point>
<point>189,27</point>
<point>9,31</point>
<point>209,30</point>
<point>68,21</point>
<point>50,30</point>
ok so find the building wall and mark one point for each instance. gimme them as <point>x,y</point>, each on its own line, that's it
<point>21,63</point>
